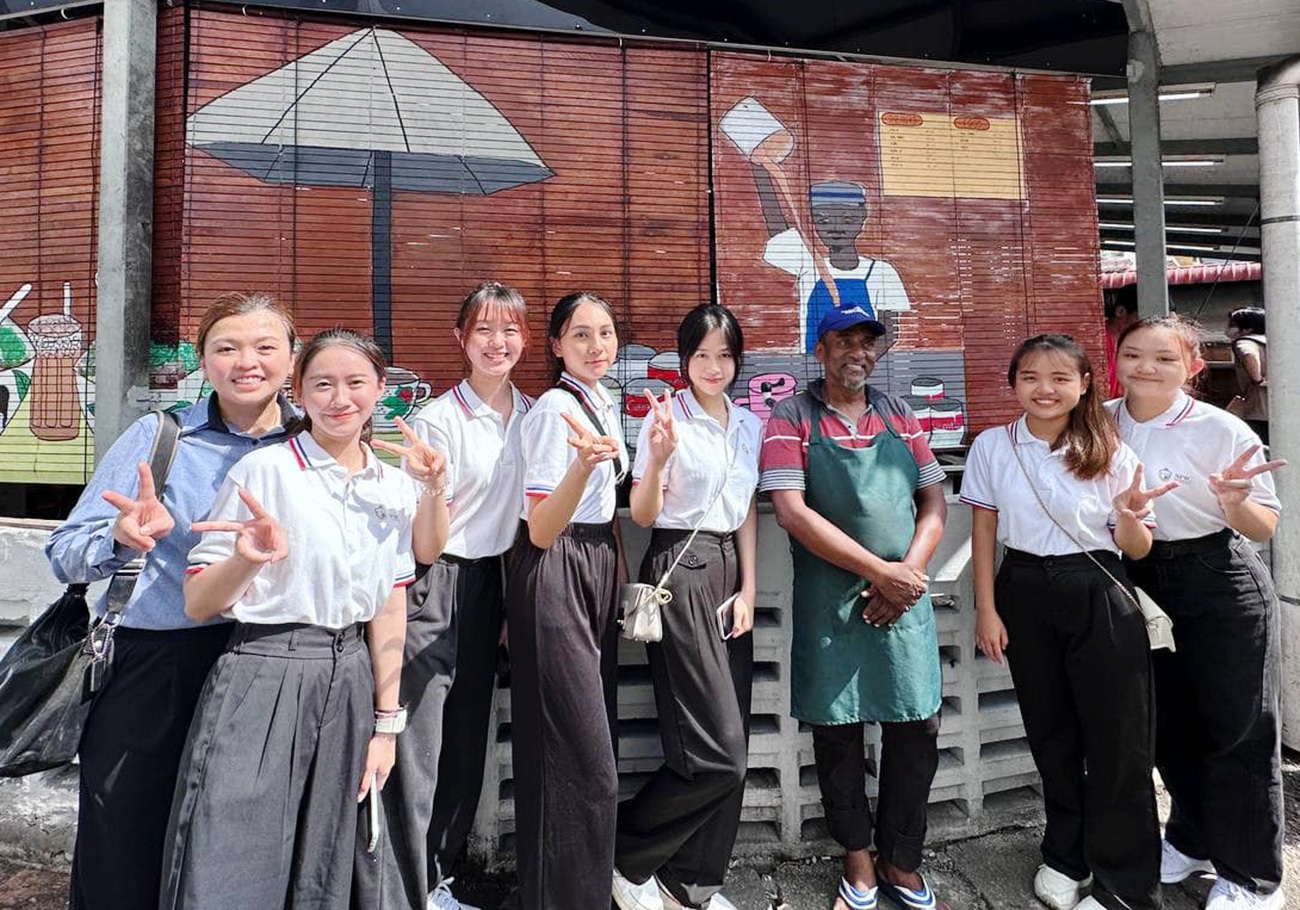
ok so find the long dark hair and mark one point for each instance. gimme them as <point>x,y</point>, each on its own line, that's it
<point>560,315</point>
<point>698,323</point>
<point>335,337</point>
<point>1090,439</point>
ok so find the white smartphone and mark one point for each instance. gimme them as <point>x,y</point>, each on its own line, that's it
<point>373,827</point>
<point>727,616</point>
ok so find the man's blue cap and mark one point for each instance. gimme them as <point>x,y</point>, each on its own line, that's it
<point>837,320</point>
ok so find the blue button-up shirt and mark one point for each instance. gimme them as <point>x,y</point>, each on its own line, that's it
<point>83,548</point>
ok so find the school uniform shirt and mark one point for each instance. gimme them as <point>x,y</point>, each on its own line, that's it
<point>484,467</point>
<point>784,458</point>
<point>1188,443</point>
<point>708,459</point>
<point>349,537</point>
<point>547,452</point>
<point>994,481</point>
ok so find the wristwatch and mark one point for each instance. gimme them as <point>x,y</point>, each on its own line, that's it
<point>393,722</point>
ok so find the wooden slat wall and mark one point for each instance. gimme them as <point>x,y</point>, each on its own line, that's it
<point>625,214</point>
<point>49,103</point>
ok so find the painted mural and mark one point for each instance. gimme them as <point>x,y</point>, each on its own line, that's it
<point>368,177</point>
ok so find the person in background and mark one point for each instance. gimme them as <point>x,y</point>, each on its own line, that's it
<point>561,584</point>
<point>696,464</point>
<point>309,548</point>
<point>1218,695</point>
<point>455,613</point>
<point>134,736</point>
<point>856,487</point>
<point>1121,312</point>
<point>1064,496</point>
<point>1246,331</point>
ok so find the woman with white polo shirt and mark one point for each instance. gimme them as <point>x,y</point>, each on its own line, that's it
<point>560,597</point>
<point>1064,495</point>
<point>307,541</point>
<point>454,613</point>
<point>1217,695</point>
<point>696,466</point>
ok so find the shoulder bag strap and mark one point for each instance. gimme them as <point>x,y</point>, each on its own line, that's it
<point>1060,527</point>
<point>595,422</point>
<point>161,455</point>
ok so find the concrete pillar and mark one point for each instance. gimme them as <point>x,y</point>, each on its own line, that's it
<point>125,256</point>
<point>1148,179</point>
<point>1277,107</point>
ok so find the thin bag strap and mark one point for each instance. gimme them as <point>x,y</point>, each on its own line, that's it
<point>161,456</point>
<point>663,579</point>
<point>1060,527</point>
<point>595,422</point>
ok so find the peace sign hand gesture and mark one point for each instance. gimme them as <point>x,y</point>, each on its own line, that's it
<point>260,540</point>
<point>592,449</point>
<point>663,433</point>
<point>1135,502</point>
<point>422,461</point>
<point>143,521</point>
<point>1232,485</point>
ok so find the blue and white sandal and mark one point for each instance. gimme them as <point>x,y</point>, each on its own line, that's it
<point>906,897</point>
<point>857,900</point>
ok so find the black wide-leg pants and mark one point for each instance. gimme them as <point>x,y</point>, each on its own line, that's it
<point>1218,734</point>
<point>1081,664</point>
<point>681,825</point>
<point>563,656</point>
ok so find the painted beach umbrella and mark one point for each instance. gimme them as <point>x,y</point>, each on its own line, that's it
<point>370,110</point>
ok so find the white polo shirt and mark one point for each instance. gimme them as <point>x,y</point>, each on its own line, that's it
<point>994,481</point>
<point>547,452</point>
<point>708,459</point>
<point>349,537</point>
<point>1188,443</point>
<point>485,471</point>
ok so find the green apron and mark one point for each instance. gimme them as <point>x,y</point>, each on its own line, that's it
<point>844,670</point>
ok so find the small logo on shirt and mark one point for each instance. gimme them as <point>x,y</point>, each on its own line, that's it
<point>383,513</point>
<point>1168,474</point>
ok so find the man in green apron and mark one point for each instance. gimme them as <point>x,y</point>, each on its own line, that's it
<point>860,494</point>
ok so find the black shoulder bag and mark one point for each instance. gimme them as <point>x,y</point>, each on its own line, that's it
<point>49,677</point>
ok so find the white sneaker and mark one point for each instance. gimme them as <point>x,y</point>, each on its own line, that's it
<point>1226,895</point>
<point>1090,903</point>
<point>631,896</point>
<point>1176,866</point>
<point>441,898</point>
<point>1056,889</point>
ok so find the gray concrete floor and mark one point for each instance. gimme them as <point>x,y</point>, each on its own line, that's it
<point>992,871</point>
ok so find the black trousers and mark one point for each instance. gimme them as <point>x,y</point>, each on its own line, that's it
<point>909,758</point>
<point>130,751</point>
<point>467,716</point>
<point>682,823</point>
<point>1218,737</point>
<point>396,876</point>
<point>265,813</point>
<point>1081,665</point>
<point>563,658</point>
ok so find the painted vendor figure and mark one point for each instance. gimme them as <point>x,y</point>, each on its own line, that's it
<point>857,489</point>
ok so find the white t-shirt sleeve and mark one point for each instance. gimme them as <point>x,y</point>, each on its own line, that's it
<point>215,546</point>
<point>789,253</point>
<point>404,565</point>
<point>977,487</point>
<point>886,288</point>
<point>548,453</point>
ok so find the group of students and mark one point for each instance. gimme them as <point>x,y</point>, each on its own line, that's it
<point>1062,489</point>
<point>312,624</point>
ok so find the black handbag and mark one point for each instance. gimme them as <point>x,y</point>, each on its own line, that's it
<point>49,677</point>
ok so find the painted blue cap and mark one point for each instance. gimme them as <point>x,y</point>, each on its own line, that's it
<point>837,320</point>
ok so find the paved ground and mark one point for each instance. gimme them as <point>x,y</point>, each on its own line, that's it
<point>989,872</point>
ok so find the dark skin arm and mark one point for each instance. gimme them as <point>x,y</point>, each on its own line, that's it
<point>773,215</point>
